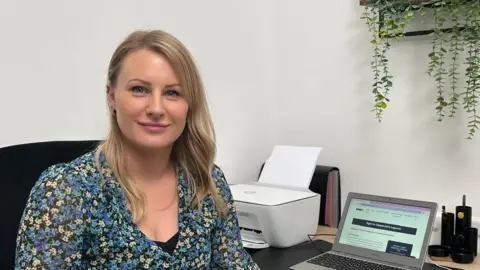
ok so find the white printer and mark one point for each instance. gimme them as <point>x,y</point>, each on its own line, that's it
<point>279,210</point>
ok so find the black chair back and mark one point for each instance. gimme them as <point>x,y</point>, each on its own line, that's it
<point>20,167</point>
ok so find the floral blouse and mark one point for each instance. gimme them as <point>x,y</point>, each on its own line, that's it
<point>74,219</point>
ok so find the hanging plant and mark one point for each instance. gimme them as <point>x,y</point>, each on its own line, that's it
<point>387,20</point>
<point>381,78</point>
<point>390,26</point>
<point>436,68</point>
<point>456,46</point>
<point>471,37</point>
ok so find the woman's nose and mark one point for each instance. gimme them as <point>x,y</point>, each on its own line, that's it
<point>155,107</point>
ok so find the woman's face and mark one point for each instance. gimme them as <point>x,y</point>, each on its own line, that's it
<point>151,108</point>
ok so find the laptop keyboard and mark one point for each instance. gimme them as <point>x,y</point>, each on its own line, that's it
<point>346,263</point>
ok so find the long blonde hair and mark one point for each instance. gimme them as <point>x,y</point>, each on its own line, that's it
<point>195,150</point>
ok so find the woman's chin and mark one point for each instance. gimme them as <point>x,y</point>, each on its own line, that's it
<point>153,144</point>
<point>156,145</point>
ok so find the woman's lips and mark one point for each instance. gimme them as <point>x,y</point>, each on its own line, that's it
<point>154,127</point>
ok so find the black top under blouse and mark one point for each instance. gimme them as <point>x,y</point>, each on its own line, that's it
<point>170,245</point>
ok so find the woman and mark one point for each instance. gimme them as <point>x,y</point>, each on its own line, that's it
<point>150,196</point>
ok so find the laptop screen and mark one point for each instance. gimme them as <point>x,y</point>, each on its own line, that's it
<point>386,227</point>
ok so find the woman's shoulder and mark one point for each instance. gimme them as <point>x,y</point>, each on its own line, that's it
<point>78,175</point>
<point>56,214</point>
<point>221,182</point>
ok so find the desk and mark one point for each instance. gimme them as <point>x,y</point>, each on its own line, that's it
<point>327,230</point>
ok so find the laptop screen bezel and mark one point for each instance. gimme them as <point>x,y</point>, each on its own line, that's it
<point>383,256</point>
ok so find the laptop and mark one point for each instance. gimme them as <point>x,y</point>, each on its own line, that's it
<point>378,232</point>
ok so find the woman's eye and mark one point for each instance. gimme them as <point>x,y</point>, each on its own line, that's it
<point>139,89</point>
<point>172,93</point>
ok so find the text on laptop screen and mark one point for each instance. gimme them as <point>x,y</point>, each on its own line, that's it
<point>386,227</point>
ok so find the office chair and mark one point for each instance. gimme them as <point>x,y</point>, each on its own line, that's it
<point>20,167</point>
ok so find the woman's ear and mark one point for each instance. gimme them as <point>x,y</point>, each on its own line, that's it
<point>111,96</point>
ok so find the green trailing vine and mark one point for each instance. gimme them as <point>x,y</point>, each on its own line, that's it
<point>387,21</point>
<point>436,67</point>
<point>370,16</point>
<point>473,66</point>
<point>392,26</point>
<point>456,46</point>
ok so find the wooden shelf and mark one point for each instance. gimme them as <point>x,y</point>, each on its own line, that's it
<point>415,2</point>
<point>429,3</point>
<point>426,4</point>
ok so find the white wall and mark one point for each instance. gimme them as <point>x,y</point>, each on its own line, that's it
<point>55,55</point>
<point>277,72</point>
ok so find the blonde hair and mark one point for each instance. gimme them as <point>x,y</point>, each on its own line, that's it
<point>195,150</point>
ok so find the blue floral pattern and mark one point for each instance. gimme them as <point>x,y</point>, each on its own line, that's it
<point>77,219</point>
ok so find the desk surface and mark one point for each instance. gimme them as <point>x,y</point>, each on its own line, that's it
<point>330,238</point>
